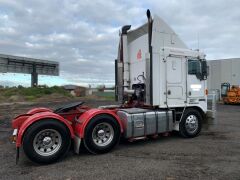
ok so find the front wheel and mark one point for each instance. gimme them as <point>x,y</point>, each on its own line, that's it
<point>101,134</point>
<point>46,141</point>
<point>191,123</point>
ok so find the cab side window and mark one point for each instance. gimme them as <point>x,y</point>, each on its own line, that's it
<point>194,67</point>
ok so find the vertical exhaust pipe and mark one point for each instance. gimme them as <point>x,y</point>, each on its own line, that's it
<point>121,72</point>
<point>149,84</point>
<point>149,28</point>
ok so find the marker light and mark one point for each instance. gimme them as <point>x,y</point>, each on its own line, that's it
<point>196,87</point>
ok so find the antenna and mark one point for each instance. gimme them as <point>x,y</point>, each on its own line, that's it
<point>198,41</point>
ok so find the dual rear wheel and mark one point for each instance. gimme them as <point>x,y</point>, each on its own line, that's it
<point>48,140</point>
<point>101,134</point>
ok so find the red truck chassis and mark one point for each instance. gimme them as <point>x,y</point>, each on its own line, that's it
<point>46,135</point>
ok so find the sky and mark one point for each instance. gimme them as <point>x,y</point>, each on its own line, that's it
<point>83,35</point>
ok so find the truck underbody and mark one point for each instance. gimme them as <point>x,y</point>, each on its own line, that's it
<point>46,135</point>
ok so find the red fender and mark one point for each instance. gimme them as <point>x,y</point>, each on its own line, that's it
<point>38,110</point>
<point>88,115</point>
<point>37,117</point>
<point>19,120</point>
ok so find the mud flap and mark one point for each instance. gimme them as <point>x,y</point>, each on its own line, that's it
<point>17,155</point>
<point>77,143</point>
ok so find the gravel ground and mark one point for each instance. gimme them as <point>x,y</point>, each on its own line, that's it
<point>215,154</point>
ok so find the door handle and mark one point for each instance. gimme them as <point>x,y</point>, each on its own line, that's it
<point>169,92</point>
<point>189,93</point>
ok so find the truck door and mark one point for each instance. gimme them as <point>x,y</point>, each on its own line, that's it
<point>195,86</point>
<point>176,81</point>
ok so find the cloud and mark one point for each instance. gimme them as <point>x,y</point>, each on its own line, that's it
<point>83,35</point>
<point>216,23</point>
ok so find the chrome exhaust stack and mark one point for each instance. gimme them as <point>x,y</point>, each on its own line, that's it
<point>149,78</point>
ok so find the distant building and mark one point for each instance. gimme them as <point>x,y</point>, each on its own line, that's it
<point>70,87</point>
<point>78,91</point>
<point>223,70</point>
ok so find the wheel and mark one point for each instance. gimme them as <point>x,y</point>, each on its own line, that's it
<point>46,141</point>
<point>191,123</point>
<point>101,134</point>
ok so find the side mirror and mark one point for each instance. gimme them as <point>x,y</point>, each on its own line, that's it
<point>199,75</point>
<point>208,70</point>
<point>205,70</point>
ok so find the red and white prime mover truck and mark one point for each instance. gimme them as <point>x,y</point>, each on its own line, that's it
<point>160,86</point>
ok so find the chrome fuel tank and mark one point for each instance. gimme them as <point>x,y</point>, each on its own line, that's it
<point>140,122</point>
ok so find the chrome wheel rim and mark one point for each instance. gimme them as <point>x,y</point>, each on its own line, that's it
<point>102,134</point>
<point>47,142</point>
<point>191,124</point>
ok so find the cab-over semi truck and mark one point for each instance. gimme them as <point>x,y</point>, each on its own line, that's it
<point>160,87</point>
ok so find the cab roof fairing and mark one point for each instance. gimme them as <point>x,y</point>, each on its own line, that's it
<point>159,27</point>
<point>162,39</point>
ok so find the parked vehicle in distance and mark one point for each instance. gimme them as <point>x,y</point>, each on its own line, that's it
<point>230,94</point>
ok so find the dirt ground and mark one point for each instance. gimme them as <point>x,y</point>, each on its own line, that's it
<point>215,154</point>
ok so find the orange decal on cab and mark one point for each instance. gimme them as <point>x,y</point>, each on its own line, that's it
<point>139,54</point>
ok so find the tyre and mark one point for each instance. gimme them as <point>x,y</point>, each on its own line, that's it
<point>46,141</point>
<point>191,123</point>
<point>102,134</point>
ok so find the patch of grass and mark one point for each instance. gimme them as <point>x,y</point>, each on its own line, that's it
<point>30,98</point>
<point>9,92</point>
<point>32,93</point>
<point>105,95</point>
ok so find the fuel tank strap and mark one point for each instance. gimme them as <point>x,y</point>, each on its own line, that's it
<point>167,121</point>
<point>156,117</point>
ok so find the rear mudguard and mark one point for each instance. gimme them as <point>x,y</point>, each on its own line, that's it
<point>38,110</point>
<point>19,120</point>
<point>86,117</point>
<point>41,116</point>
